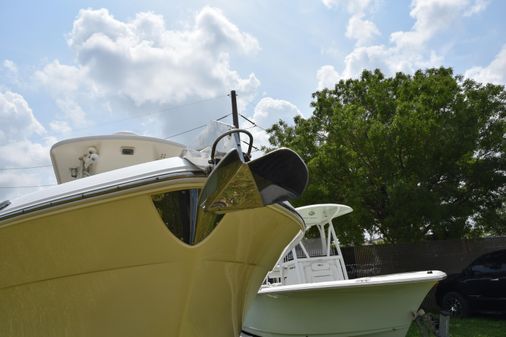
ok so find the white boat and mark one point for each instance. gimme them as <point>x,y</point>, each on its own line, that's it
<point>141,240</point>
<point>308,292</point>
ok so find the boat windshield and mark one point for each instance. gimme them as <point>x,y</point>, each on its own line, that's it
<point>210,133</point>
<point>313,247</point>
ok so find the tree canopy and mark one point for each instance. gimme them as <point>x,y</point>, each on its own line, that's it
<point>416,156</point>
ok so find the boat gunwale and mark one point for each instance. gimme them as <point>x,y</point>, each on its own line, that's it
<point>371,281</point>
<point>155,185</point>
<point>98,192</point>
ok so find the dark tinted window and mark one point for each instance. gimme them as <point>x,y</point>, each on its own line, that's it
<point>178,211</point>
<point>491,263</point>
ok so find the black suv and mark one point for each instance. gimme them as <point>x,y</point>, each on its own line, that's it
<point>480,287</point>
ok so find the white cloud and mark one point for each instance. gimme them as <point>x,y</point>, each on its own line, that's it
<point>145,62</point>
<point>218,32</point>
<point>65,83</point>
<point>60,127</point>
<point>72,111</point>
<point>431,17</point>
<point>9,180</point>
<point>11,71</point>
<point>477,7</point>
<point>11,66</point>
<point>138,65</point>
<point>60,79</point>
<point>269,111</point>
<point>389,60</point>
<point>327,77</point>
<point>361,30</point>
<point>358,28</point>
<point>407,50</point>
<point>16,118</point>
<point>353,6</point>
<point>330,3</point>
<point>25,153</point>
<point>495,72</point>
<point>17,126</point>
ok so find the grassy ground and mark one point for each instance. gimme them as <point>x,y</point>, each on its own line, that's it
<point>482,326</point>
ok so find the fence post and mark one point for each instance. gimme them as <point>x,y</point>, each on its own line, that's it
<point>444,324</point>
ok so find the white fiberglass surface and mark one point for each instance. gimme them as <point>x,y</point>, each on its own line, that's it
<point>413,277</point>
<point>103,180</point>
<point>322,213</point>
<point>109,152</point>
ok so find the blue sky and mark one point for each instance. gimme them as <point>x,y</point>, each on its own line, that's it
<point>78,68</point>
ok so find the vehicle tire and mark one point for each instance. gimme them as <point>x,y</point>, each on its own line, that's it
<point>455,304</point>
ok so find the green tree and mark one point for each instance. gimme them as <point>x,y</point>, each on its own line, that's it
<point>416,156</point>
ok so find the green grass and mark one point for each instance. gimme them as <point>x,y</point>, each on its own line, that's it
<point>471,327</point>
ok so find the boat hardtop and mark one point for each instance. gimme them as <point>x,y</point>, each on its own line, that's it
<point>80,157</point>
<point>299,264</point>
<point>317,215</point>
<point>322,214</point>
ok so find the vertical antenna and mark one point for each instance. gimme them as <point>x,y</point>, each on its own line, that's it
<point>235,115</point>
<point>235,120</point>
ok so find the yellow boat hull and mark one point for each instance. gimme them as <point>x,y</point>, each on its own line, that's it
<point>110,267</point>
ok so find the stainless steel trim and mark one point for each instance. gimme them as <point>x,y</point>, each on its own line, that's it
<point>99,192</point>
